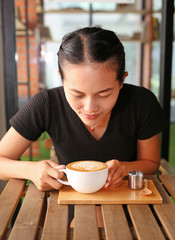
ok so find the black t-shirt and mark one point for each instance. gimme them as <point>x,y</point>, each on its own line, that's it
<point>136,115</point>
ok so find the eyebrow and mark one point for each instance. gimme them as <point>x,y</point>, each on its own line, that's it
<point>102,91</point>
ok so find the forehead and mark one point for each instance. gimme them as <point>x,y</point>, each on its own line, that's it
<point>89,70</point>
<point>89,77</point>
<point>91,67</point>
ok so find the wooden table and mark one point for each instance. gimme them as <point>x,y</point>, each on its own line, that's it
<point>37,221</point>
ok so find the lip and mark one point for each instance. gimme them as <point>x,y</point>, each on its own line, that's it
<point>91,117</point>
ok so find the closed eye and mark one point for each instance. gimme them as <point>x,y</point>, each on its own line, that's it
<point>104,96</point>
<point>78,96</point>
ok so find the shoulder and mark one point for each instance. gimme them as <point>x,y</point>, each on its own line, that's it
<point>47,96</point>
<point>137,93</point>
<point>133,89</point>
<point>58,91</point>
<point>145,111</point>
<point>138,100</point>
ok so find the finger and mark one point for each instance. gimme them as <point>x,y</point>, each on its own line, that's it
<point>46,187</point>
<point>53,183</point>
<point>55,165</point>
<point>61,174</point>
<point>112,167</point>
<point>53,172</point>
<point>117,182</point>
<point>116,185</point>
<point>106,185</point>
<point>117,175</point>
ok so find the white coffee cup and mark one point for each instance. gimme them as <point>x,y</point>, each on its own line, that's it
<point>89,177</point>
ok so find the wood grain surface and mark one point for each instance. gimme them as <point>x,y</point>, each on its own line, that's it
<point>120,195</point>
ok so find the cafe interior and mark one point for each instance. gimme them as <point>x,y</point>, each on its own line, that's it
<point>30,36</point>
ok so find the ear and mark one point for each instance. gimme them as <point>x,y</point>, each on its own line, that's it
<point>123,79</point>
<point>58,71</point>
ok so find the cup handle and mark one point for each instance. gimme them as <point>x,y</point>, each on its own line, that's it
<point>61,181</point>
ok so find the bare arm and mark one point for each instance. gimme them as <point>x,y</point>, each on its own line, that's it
<point>43,173</point>
<point>148,156</point>
<point>12,146</point>
<point>148,161</point>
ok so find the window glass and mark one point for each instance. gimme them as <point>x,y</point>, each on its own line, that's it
<point>155,77</point>
<point>127,26</point>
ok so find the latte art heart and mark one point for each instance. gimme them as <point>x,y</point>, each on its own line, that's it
<point>87,166</point>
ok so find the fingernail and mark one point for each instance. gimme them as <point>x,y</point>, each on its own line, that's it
<point>60,166</point>
<point>109,178</point>
<point>106,185</point>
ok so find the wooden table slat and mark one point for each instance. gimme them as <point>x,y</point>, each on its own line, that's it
<point>115,223</point>
<point>169,183</point>
<point>9,200</point>
<point>166,168</point>
<point>32,217</point>
<point>144,223</point>
<point>56,222</point>
<point>166,212</point>
<point>85,223</point>
<point>27,222</point>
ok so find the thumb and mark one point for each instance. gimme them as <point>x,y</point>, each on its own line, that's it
<point>55,165</point>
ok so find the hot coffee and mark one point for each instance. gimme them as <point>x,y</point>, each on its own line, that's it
<point>85,176</point>
<point>87,166</point>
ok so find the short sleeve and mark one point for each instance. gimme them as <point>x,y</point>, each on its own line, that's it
<point>32,119</point>
<point>151,119</point>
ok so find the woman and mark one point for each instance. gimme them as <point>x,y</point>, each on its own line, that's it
<point>93,116</point>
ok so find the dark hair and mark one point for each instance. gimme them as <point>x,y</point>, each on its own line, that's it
<point>92,44</point>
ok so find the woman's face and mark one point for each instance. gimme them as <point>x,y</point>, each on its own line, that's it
<point>91,90</point>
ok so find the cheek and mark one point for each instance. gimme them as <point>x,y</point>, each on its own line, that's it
<point>70,100</point>
<point>74,104</point>
<point>109,103</point>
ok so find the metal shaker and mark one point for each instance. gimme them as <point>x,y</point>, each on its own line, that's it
<point>135,180</point>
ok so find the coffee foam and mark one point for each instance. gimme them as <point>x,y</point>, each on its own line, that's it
<point>87,166</point>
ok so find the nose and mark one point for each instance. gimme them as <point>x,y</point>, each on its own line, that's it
<point>90,105</point>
